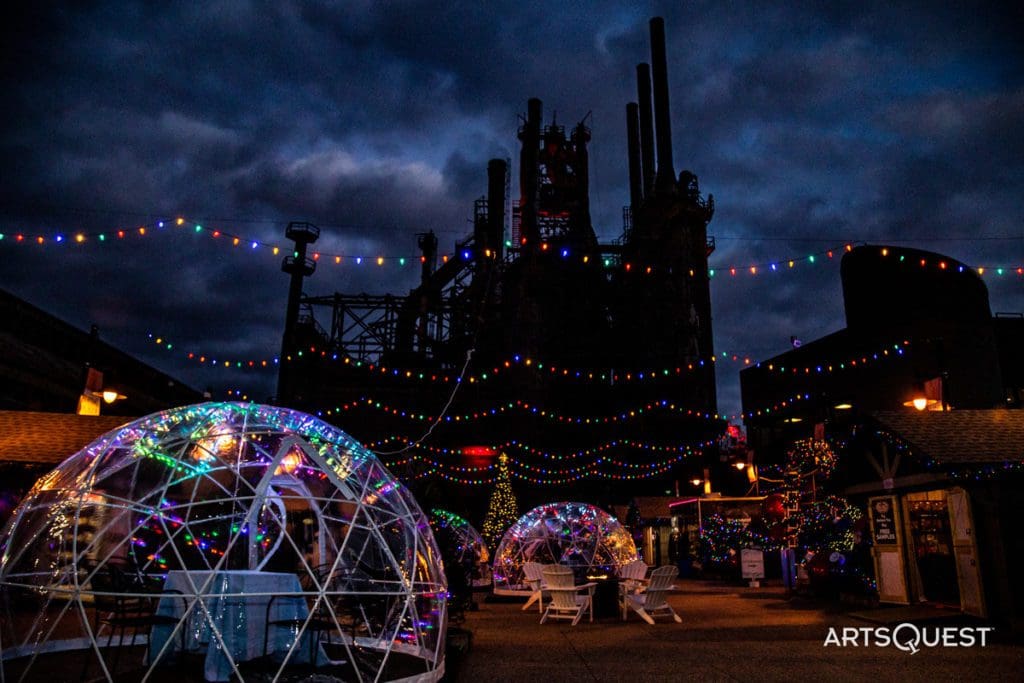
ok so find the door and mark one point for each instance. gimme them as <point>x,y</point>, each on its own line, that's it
<point>965,549</point>
<point>931,547</point>
<point>888,550</point>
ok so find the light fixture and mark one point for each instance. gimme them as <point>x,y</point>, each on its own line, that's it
<point>926,395</point>
<point>922,403</point>
<point>843,406</point>
<point>289,463</point>
<point>793,419</point>
<point>93,396</point>
<point>109,396</point>
<point>696,482</point>
<point>739,465</point>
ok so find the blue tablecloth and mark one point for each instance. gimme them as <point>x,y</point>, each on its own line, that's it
<point>236,607</point>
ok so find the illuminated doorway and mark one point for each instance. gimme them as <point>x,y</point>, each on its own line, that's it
<point>931,542</point>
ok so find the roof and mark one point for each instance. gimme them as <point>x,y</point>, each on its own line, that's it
<point>43,362</point>
<point>49,438</point>
<point>960,436</point>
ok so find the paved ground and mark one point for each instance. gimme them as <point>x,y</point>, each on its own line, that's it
<point>727,634</point>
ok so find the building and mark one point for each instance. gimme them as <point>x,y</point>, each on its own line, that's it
<point>919,394</point>
<point>47,364</point>
<point>49,370</point>
<point>919,326</point>
<point>942,494</point>
<point>559,336</point>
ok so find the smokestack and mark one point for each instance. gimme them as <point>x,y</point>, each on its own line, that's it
<point>427,243</point>
<point>529,135</point>
<point>580,138</point>
<point>298,267</point>
<point>636,180</point>
<point>496,171</point>
<point>643,93</point>
<point>666,177</point>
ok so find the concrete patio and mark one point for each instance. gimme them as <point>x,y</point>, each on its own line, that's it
<point>729,633</point>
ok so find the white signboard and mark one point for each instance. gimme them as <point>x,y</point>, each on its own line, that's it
<point>752,563</point>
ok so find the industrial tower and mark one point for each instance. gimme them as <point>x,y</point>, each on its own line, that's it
<point>545,289</point>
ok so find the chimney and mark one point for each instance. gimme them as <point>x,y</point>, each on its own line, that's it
<point>643,92</point>
<point>636,180</point>
<point>666,177</point>
<point>427,242</point>
<point>496,171</point>
<point>529,135</point>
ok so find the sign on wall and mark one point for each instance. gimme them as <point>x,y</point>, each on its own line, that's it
<point>883,520</point>
<point>890,569</point>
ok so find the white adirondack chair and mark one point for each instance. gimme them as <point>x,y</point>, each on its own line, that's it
<point>533,576</point>
<point>633,576</point>
<point>568,601</point>
<point>652,602</point>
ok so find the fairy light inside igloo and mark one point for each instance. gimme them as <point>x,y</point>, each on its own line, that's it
<point>577,535</point>
<point>463,544</point>
<point>197,517</point>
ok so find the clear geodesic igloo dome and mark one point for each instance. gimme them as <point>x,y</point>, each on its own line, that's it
<point>576,535</point>
<point>257,538</point>
<point>461,543</point>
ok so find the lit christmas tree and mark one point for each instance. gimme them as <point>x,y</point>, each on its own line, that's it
<point>503,510</point>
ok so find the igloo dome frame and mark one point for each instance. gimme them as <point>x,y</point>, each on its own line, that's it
<point>578,535</point>
<point>468,540</point>
<point>221,491</point>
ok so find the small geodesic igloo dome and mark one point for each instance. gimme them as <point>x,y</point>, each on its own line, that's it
<point>461,543</point>
<point>576,535</point>
<point>258,537</point>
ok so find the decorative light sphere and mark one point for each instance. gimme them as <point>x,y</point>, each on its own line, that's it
<point>577,535</point>
<point>226,504</point>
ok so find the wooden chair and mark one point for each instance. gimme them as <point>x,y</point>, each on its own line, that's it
<point>568,601</point>
<point>652,602</point>
<point>633,576</point>
<point>533,576</point>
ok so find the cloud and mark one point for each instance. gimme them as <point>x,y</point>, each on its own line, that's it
<point>806,120</point>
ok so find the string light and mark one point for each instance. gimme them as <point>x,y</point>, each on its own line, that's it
<point>788,403</point>
<point>890,350</point>
<point>518,361</point>
<point>156,227</point>
<point>526,407</point>
<point>236,240</point>
<point>981,471</point>
<point>637,470</point>
<point>537,452</point>
<point>542,481</point>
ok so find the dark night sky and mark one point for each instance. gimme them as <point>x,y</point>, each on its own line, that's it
<point>812,124</point>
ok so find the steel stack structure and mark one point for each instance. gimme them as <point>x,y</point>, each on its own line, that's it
<point>568,343</point>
